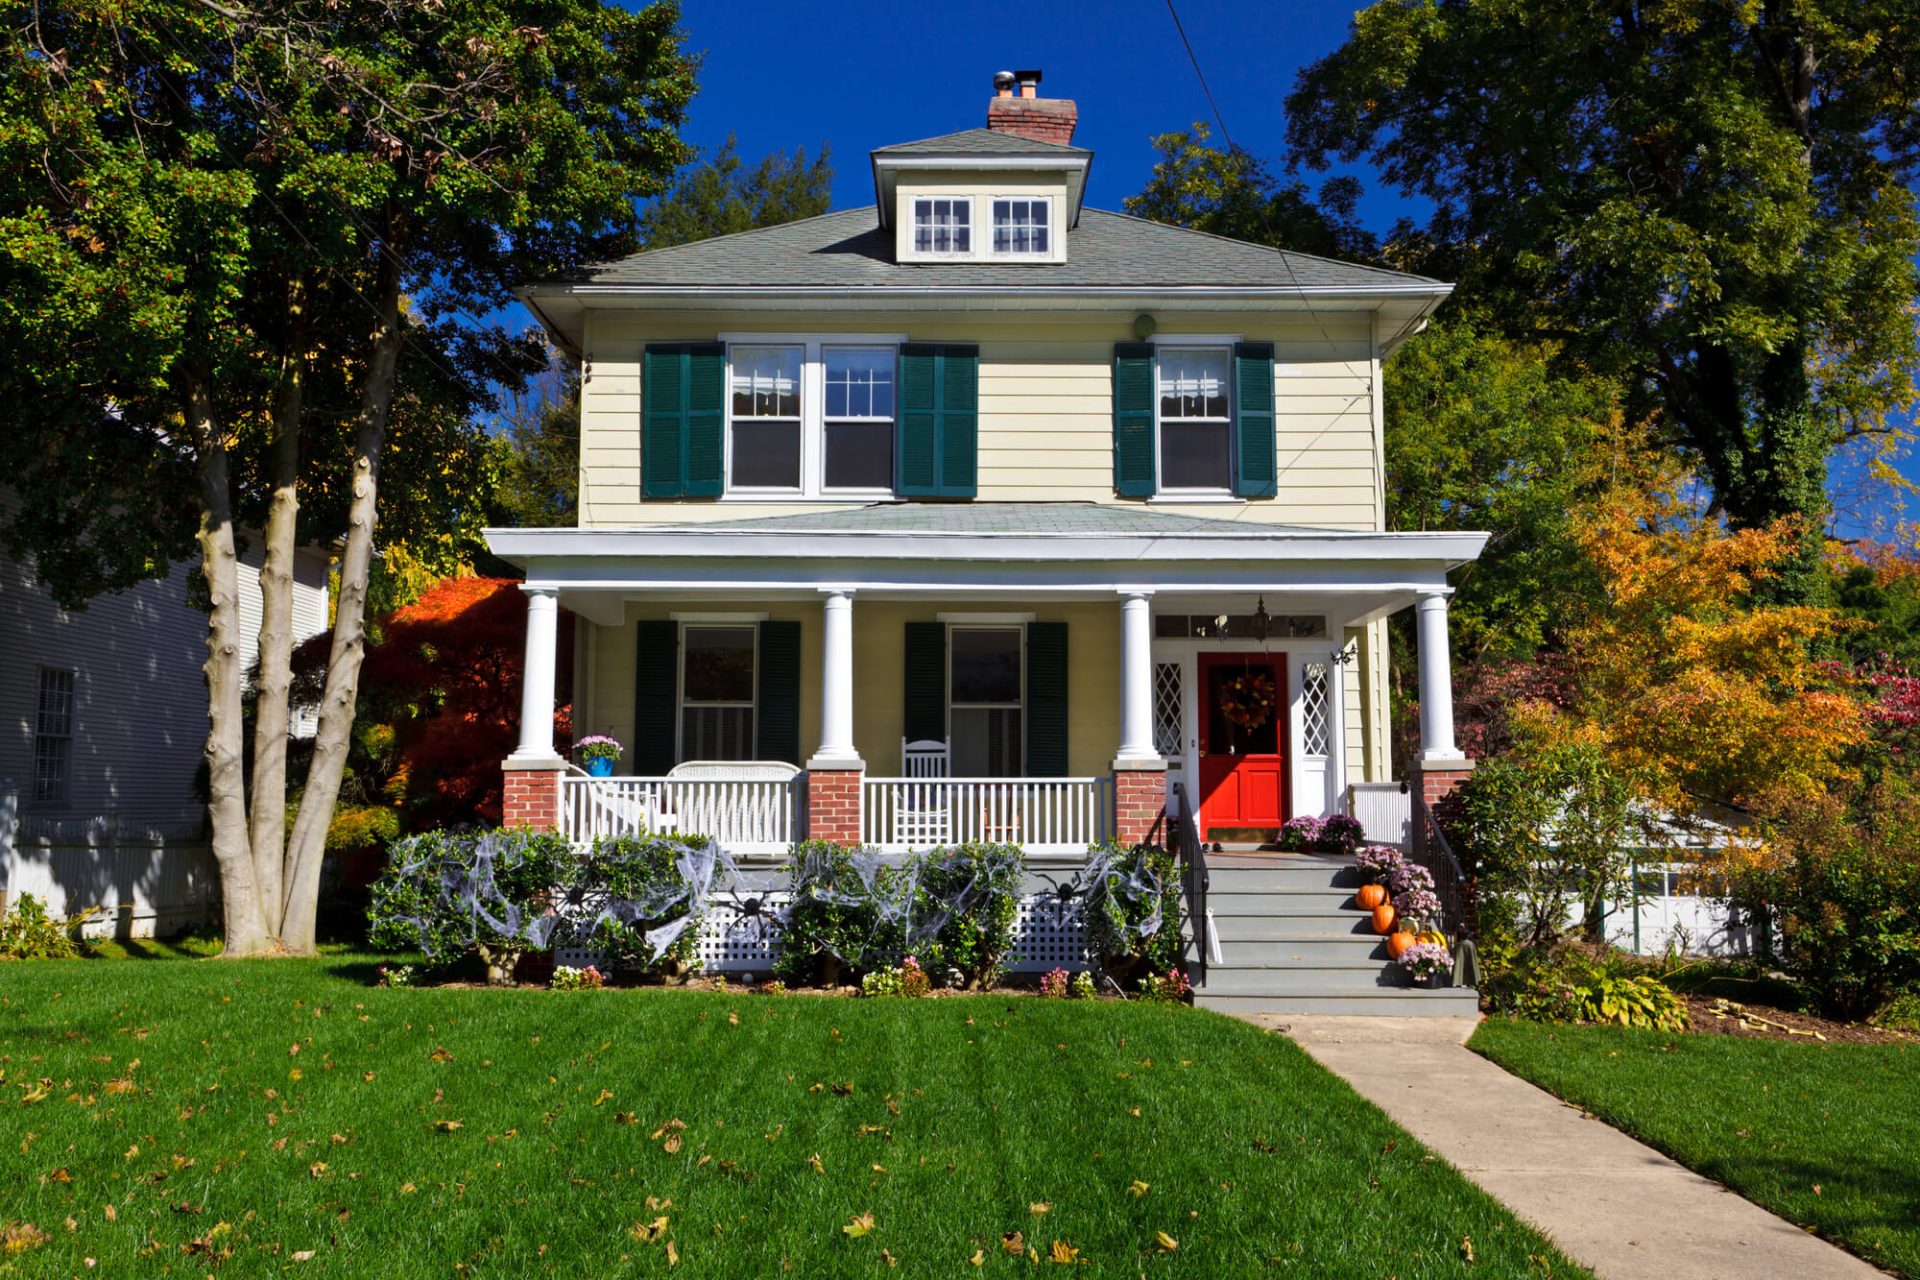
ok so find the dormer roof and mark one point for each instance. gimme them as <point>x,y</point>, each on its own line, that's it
<point>986,150</point>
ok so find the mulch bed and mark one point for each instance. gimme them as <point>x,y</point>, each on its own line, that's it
<point>1713,1015</point>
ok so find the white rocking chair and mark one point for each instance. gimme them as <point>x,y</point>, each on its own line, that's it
<point>923,818</point>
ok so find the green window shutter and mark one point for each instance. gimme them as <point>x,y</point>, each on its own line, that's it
<point>706,417</point>
<point>1253,420</point>
<point>656,702</point>
<point>925,697</point>
<point>776,711</point>
<point>663,422</point>
<point>937,450</point>
<point>682,418</point>
<point>1134,471</point>
<point>1047,699</point>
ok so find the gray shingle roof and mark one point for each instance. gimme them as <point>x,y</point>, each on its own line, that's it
<point>984,142</point>
<point>1065,518</point>
<point>851,250</point>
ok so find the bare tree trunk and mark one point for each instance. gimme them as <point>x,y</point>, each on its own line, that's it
<point>248,929</point>
<point>269,812</point>
<point>308,842</point>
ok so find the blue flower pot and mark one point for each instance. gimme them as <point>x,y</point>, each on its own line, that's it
<point>600,767</point>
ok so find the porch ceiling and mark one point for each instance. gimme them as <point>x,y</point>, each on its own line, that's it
<point>988,551</point>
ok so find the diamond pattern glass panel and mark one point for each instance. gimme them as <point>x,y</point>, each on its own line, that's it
<point>1166,709</point>
<point>1313,708</point>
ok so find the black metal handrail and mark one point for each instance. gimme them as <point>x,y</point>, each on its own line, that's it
<point>1431,850</point>
<point>1183,839</point>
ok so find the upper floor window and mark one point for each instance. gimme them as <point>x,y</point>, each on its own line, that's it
<point>811,417</point>
<point>1020,226</point>
<point>943,224</point>
<point>1195,418</point>
<point>766,417</point>
<point>53,737</point>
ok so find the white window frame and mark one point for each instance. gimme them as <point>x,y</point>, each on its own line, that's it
<point>1020,685</point>
<point>1056,244</point>
<point>967,198</point>
<point>715,623</point>
<point>1209,341</point>
<point>65,796</point>
<point>813,421</point>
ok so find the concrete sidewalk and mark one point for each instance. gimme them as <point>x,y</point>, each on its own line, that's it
<point>1621,1208</point>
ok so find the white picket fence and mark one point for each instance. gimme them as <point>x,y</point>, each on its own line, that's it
<point>1039,814</point>
<point>149,881</point>
<point>744,816</point>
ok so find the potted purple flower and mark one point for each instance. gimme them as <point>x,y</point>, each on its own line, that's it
<point>1378,863</point>
<point>1427,963</point>
<point>600,752</point>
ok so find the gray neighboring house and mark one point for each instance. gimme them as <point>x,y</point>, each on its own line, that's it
<point>102,722</point>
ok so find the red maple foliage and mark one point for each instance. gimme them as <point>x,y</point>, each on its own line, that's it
<point>445,677</point>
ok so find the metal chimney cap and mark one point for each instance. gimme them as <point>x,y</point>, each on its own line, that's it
<point>1003,82</point>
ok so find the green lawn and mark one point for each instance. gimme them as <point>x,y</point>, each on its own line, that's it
<point>160,1114</point>
<point>1827,1136</point>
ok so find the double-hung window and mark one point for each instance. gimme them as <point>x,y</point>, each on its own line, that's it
<point>858,417</point>
<point>718,666</point>
<point>943,224</point>
<point>53,737</point>
<point>1195,418</point>
<point>985,680</point>
<point>811,416</point>
<point>766,440</point>
<point>1020,227</point>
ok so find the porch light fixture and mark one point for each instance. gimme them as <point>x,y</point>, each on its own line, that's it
<point>1220,627</point>
<point>1262,624</point>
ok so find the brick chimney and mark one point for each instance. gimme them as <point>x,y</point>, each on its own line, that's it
<point>1017,108</point>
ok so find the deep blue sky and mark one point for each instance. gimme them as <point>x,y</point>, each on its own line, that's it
<point>856,75</point>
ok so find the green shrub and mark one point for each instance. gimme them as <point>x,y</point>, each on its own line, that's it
<point>1540,984</point>
<point>834,921</point>
<point>1902,1013</point>
<point>1132,910</point>
<point>356,826</point>
<point>980,885</point>
<point>29,933</point>
<point>1632,1001</point>
<point>633,884</point>
<point>488,891</point>
<point>1843,886</point>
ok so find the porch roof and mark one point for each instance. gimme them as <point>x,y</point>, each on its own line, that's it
<point>986,550</point>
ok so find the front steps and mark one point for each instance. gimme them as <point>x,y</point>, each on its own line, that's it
<point>1291,941</point>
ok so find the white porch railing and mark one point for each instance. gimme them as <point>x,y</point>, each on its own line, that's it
<point>1037,813</point>
<point>744,816</point>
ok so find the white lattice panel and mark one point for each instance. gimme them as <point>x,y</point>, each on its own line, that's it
<point>1313,709</point>
<point>1166,709</point>
<point>1044,939</point>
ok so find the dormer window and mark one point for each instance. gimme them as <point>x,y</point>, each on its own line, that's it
<point>943,224</point>
<point>1022,226</point>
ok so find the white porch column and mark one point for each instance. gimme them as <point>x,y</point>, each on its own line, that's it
<point>1436,681</point>
<point>1136,684</point>
<point>536,687</point>
<point>1337,724</point>
<point>836,683</point>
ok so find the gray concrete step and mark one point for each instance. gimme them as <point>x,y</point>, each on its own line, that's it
<point>1256,902</point>
<point>1404,1003</point>
<point>1326,977</point>
<point>1286,951</point>
<point>1258,879</point>
<point>1257,928</point>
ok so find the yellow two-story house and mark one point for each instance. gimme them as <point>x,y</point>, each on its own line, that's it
<point>978,513</point>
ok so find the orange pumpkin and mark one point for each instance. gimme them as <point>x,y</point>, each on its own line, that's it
<point>1383,918</point>
<point>1370,896</point>
<point>1397,942</point>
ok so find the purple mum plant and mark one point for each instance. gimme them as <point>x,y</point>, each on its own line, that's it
<point>1378,863</point>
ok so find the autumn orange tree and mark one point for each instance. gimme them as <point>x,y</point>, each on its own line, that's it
<point>441,689</point>
<point>1688,673</point>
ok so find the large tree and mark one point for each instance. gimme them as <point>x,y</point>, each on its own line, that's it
<point>1707,200</point>
<point>718,195</point>
<point>242,252</point>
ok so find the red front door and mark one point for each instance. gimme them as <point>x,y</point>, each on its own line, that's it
<point>1243,744</point>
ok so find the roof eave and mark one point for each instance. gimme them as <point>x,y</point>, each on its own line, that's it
<point>1076,165</point>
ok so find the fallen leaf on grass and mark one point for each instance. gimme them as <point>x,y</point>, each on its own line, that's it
<point>844,1090</point>
<point>1013,1243</point>
<point>649,1232</point>
<point>602,1096</point>
<point>60,1176</point>
<point>1466,1248</point>
<point>887,1255</point>
<point>303,1255</point>
<point>18,1237</point>
<point>859,1226</point>
<point>1063,1253</point>
<point>673,1255</point>
<point>407,1188</point>
<point>979,1257</point>
<point>1039,1207</point>
<point>440,1054</point>
<point>815,1161</point>
<point>1137,1188</point>
<point>449,1126</point>
<point>1164,1242</point>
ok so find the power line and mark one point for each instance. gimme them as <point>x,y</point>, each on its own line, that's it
<point>1201,75</point>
